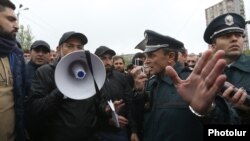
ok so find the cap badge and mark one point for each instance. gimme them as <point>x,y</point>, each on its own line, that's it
<point>229,20</point>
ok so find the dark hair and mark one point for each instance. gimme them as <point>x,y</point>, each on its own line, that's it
<point>6,3</point>
<point>118,57</point>
<point>168,50</point>
<point>130,66</point>
<point>138,55</point>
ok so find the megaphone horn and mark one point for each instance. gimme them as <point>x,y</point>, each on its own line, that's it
<point>73,76</point>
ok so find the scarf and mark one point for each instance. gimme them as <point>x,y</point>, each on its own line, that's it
<point>9,46</point>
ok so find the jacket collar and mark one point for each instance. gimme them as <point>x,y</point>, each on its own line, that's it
<point>242,63</point>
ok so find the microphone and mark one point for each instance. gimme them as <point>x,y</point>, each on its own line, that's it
<point>78,70</point>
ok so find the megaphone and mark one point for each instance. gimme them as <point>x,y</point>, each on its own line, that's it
<point>73,76</point>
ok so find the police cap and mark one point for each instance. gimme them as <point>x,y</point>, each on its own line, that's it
<point>224,24</point>
<point>155,41</point>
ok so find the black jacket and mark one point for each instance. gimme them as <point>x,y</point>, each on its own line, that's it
<point>53,118</point>
<point>30,69</point>
<point>116,87</point>
<point>238,74</point>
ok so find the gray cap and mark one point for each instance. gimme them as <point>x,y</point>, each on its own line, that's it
<point>104,50</point>
<point>70,34</point>
<point>40,44</point>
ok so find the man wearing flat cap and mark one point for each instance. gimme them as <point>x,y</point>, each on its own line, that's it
<point>51,116</point>
<point>174,106</point>
<point>39,55</point>
<point>226,32</point>
<point>117,89</point>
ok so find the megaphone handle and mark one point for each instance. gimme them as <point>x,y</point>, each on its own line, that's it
<point>91,70</point>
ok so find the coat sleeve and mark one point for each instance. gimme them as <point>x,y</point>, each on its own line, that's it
<point>223,113</point>
<point>44,98</point>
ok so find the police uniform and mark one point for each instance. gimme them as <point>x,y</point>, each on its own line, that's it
<point>238,73</point>
<point>168,117</point>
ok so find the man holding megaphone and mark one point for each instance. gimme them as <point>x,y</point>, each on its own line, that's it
<point>51,115</point>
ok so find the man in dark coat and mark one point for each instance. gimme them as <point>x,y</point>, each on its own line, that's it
<point>12,76</point>
<point>54,116</point>
<point>117,89</point>
<point>226,32</point>
<point>39,55</point>
<point>177,109</point>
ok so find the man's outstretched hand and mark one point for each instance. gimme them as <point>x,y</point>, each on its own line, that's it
<point>200,88</point>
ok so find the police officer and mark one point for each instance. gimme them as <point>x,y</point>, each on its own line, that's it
<point>226,32</point>
<point>175,106</point>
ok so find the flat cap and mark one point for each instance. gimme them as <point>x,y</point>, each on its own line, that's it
<point>70,34</point>
<point>40,44</point>
<point>224,24</point>
<point>155,41</point>
<point>104,50</point>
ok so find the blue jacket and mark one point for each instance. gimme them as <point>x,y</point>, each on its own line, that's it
<point>18,72</point>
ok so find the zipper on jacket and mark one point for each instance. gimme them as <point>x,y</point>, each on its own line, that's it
<point>5,71</point>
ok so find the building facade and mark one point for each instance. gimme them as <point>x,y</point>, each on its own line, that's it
<point>234,6</point>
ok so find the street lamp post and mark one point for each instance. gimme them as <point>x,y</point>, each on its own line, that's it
<point>19,10</point>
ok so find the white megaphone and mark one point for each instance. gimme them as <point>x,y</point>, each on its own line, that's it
<point>73,76</point>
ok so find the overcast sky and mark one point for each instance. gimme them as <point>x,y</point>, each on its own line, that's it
<point>119,24</point>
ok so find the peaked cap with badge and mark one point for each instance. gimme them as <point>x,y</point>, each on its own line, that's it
<point>224,24</point>
<point>154,41</point>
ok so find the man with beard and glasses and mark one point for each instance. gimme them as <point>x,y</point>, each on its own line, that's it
<point>12,76</point>
<point>117,89</point>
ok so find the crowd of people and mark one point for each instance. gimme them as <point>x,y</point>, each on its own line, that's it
<point>164,94</point>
